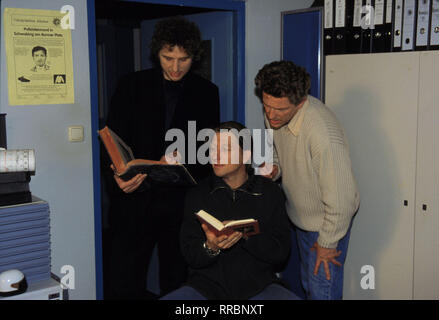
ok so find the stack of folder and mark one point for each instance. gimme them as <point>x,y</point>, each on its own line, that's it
<point>370,26</point>
<point>25,239</point>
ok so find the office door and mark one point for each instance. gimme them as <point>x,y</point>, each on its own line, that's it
<point>302,44</point>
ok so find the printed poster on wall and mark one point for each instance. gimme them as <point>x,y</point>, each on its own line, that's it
<point>39,57</point>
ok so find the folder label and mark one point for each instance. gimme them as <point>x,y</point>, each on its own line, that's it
<point>328,14</point>
<point>389,11</point>
<point>423,23</point>
<point>434,31</point>
<point>398,24</point>
<point>409,25</point>
<point>340,12</point>
<point>379,12</point>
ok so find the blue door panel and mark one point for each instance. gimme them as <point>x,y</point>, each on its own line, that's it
<point>302,44</point>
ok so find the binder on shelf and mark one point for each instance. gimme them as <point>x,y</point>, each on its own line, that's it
<point>423,25</point>
<point>409,25</point>
<point>397,25</point>
<point>388,26</point>
<point>434,26</point>
<point>378,32</point>
<point>354,26</point>
<point>340,27</point>
<point>367,25</point>
<point>328,33</point>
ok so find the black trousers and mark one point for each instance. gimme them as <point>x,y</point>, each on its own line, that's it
<point>135,230</point>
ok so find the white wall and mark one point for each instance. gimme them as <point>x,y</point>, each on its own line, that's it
<point>64,175</point>
<point>263,45</point>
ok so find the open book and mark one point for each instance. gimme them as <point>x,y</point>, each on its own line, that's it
<point>248,227</point>
<point>127,167</point>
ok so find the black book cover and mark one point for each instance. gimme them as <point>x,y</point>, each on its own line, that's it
<point>127,166</point>
<point>173,174</point>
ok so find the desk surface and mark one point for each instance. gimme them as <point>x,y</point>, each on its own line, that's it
<point>41,290</point>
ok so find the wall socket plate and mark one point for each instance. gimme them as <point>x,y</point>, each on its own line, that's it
<point>76,133</point>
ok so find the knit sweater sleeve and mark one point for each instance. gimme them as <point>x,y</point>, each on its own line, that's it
<point>331,162</point>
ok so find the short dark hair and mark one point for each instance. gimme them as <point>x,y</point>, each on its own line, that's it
<point>176,31</point>
<point>283,79</point>
<point>242,130</point>
<point>39,48</point>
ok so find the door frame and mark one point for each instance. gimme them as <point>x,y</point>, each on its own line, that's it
<point>238,8</point>
<point>291,271</point>
<point>321,58</point>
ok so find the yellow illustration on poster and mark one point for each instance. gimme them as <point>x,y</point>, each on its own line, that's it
<point>39,57</point>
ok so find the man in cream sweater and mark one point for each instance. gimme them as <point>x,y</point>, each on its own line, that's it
<point>312,155</point>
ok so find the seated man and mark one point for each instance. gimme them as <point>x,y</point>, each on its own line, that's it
<point>234,267</point>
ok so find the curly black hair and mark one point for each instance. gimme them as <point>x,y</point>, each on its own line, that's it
<point>176,31</point>
<point>283,79</point>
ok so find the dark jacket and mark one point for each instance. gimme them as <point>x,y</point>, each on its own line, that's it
<point>137,114</point>
<point>245,269</point>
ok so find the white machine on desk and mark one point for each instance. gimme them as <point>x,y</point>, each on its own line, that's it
<point>12,282</point>
<point>13,286</point>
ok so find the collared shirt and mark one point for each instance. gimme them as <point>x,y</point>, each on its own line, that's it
<point>296,122</point>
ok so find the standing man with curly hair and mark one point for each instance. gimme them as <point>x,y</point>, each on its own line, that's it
<point>313,159</point>
<point>145,106</point>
